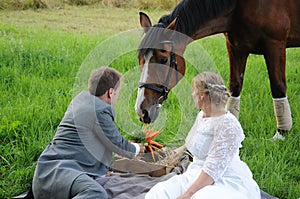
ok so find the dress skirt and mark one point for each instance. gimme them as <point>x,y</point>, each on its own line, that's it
<point>238,185</point>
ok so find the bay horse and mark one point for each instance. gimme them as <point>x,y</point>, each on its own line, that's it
<point>265,27</point>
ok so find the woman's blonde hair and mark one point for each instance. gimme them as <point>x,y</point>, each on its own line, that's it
<point>213,85</point>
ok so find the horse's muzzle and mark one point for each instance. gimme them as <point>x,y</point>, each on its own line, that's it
<point>149,116</point>
<point>145,117</point>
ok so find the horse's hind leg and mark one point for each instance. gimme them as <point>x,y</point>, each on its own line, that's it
<point>275,57</point>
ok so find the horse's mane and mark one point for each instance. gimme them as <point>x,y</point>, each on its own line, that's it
<point>191,14</point>
<point>154,35</point>
<point>194,13</point>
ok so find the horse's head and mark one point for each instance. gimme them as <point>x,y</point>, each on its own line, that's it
<point>162,66</point>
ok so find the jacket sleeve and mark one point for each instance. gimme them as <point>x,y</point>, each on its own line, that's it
<point>105,120</point>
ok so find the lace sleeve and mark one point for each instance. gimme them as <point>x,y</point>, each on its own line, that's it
<point>224,146</point>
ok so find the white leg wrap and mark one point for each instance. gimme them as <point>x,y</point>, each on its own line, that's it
<point>283,114</point>
<point>233,106</point>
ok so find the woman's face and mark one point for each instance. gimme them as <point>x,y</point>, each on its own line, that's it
<point>197,97</point>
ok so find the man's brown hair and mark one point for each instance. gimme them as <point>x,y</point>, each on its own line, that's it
<point>103,79</point>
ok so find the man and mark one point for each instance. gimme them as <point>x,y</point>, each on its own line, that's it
<point>82,148</point>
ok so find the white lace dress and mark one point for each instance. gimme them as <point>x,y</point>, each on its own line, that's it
<point>214,143</point>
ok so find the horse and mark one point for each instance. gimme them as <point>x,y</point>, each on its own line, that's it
<point>264,27</point>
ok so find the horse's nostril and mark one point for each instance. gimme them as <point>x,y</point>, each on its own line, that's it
<point>145,112</point>
<point>146,118</point>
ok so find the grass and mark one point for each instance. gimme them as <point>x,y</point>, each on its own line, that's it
<point>45,57</point>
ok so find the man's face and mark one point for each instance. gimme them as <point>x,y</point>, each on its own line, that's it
<point>115,95</point>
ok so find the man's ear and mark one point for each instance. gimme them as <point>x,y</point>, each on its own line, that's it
<point>110,92</point>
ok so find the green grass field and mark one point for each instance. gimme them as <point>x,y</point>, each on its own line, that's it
<point>46,56</point>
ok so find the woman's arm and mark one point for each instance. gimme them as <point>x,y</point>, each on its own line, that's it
<point>202,181</point>
<point>224,146</point>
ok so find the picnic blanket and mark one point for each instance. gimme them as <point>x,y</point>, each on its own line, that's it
<point>130,186</point>
<point>134,186</point>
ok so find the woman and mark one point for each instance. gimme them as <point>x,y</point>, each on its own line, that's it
<point>214,141</point>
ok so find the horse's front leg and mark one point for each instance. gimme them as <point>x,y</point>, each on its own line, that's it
<point>237,62</point>
<point>275,57</point>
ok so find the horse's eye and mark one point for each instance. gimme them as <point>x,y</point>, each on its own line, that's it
<point>163,60</point>
<point>162,50</point>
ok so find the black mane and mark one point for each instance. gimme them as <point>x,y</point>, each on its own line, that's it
<point>191,14</point>
<point>194,13</point>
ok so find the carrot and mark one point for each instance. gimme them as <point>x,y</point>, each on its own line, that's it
<point>155,148</point>
<point>146,127</point>
<point>158,145</point>
<point>152,135</point>
<point>152,152</point>
<point>149,132</point>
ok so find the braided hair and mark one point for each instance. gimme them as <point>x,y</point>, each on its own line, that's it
<point>213,85</point>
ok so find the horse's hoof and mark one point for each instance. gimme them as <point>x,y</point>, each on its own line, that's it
<point>278,136</point>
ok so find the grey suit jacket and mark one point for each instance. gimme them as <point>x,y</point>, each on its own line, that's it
<point>83,144</point>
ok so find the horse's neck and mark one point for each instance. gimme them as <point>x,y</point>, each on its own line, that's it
<point>215,26</point>
<point>197,21</point>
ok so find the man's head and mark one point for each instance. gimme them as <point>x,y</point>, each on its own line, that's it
<point>105,83</point>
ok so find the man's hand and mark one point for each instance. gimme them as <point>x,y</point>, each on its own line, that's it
<point>142,149</point>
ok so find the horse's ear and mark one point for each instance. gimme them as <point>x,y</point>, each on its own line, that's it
<point>170,30</point>
<point>172,25</point>
<point>145,21</point>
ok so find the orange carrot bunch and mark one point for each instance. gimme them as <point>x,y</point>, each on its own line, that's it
<point>150,135</point>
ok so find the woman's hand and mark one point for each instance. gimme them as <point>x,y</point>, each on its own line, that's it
<point>185,196</point>
<point>203,180</point>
